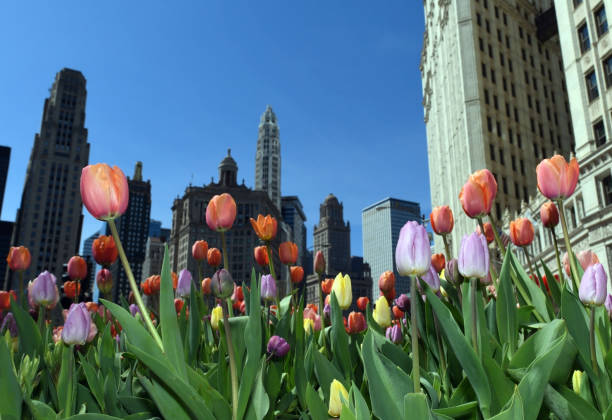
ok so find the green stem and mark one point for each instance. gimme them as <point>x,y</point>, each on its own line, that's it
<point>414,296</point>
<point>446,248</point>
<point>76,290</point>
<point>22,300</point>
<point>533,274</point>
<point>41,320</point>
<point>491,268</point>
<point>232,360</point>
<point>568,246</point>
<point>134,286</point>
<point>273,274</point>
<point>559,266</point>
<point>473,282</point>
<point>498,240</point>
<point>592,340</point>
<point>441,354</point>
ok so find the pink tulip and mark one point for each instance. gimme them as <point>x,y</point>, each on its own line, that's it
<point>557,178</point>
<point>478,193</point>
<point>586,258</point>
<point>221,212</point>
<point>104,191</point>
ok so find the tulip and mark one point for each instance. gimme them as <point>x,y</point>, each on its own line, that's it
<point>297,274</point>
<point>608,305</point>
<point>362,303</point>
<point>19,258</point>
<point>77,268</point>
<point>238,295</point>
<point>5,299</point>
<point>43,290</point>
<point>403,302</point>
<point>474,256</point>
<point>261,255</point>
<point>549,214</point>
<point>9,324</point>
<point>478,193</point>
<point>343,290</point>
<point>356,323</point>
<point>397,312</point>
<point>592,290</point>
<point>183,287</point>
<point>222,284</point>
<point>394,333</point>
<point>382,312</point>
<point>213,257</point>
<point>199,250</point>
<point>146,287</point>
<point>432,279</point>
<point>336,390</point>
<point>221,212</point>
<point>268,287</point>
<point>556,178</point>
<point>308,325</point>
<point>319,263</point>
<point>438,262</point>
<point>327,310</point>
<point>326,286</point>
<point>390,295</point>
<point>288,253</point>
<point>586,258</point>
<point>488,232</point>
<point>521,231</point>
<point>278,346</point>
<point>311,314</point>
<point>134,310</point>
<point>216,316</point>
<point>451,272</point>
<point>264,227</point>
<point>104,191</point>
<point>104,250</point>
<point>242,307</point>
<point>77,326</point>
<point>442,220</point>
<point>312,307</point>
<point>174,277</point>
<point>206,283</point>
<point>93,331</point>
<point>578,381</point>
<point>386,281</point>
<point>178,305</point>
<point>413,253</point>
<point>72,289</point>
<point>104,279</point>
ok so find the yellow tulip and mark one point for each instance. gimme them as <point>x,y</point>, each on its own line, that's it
<point>382,312</point>
<point>335,402</point>
<point>343,290</point>
<point>577,381</point>
<point>308,325</point>
<point>216,316</point>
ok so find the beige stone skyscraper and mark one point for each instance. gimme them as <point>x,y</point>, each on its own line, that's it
<point>268,158</point>
<point>494,97</point>
<point>50,217</point>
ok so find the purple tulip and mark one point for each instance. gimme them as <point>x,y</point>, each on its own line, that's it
<point>43,290</point>
<point>8,323</point>
<point>277,346</point>
<point>394,333</point>
<point>403,302</point>
<point>413,252</point>
<point>222,284</point>
<point>268,287</point>
<point>474,256</point>
<point>451,272</point>
<point>77,325</point>
<point>608,305</point>
<point>327,311</point>
<point>134,309</point>
<point>592,290</point>
<point>432,279</point>
<point>183,286</point>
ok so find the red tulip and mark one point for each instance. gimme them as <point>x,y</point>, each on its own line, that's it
<point>146,286</point>
<point>199,250</point>
<point>174,277</point>
<point>104,278</point>
<point>104,250</point>
<point>397,312</point>
<point>489,234</point>
<point>104,191</point>
<point>478,193</point>
<point>178,305</point>
<point>5,299</point>
<point>238,295</point>
<point>441,219</point>
<point>77,268</point>
<point>390,295</point>
<point>326,285</point>
<point>214,257</point>
<point>557,178</point>
<point>297,274</point>
<point>19,258</point>
<point>319,263</point>
<point>521,232</point>
<point>206,286</point>
<point>288,253</point>
<point>221,212</point>
<point>386,282</point>
<point>72,289</point>
<point>155,283</point>
<point>438,262</point>
<point>261,255</point>
<point>362,302</point>
<point>264,227</point>
<point>356,323</point>
<point>549,214</point>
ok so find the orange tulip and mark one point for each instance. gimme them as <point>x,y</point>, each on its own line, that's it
<point>72,289</point>
<point>104,250</point>
<point>362,302</point>
<point>549,214</point>
<point>206,286</point>
<point>19,258</point>
<point>155,283</point>
<point>438,261</point>
<point>221,212</point>
<point>5,299</point>
<point>356,323</point>
<point>77,268</point>
<point>199,250</point>
<point>297,274</point>
<point>238,294</point>
<point>312,307</point>
<point>386,281</point>
<point>214,257</point>
<point>489,234</point>
<point>104,191</point>
<point>261,255</point>
<point>397,312</point>
<point>390,295</point>
<point>557,178</point>
<point>146,287</point>
<point>441,219</point>
<point>264,227</point>
<point>478,193</point>
<point>521,232</point>
<point>288,252</point>
<point>326,286</point>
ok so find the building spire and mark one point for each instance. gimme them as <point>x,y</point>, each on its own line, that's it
<point>268,158</point>
<point>138,171</point>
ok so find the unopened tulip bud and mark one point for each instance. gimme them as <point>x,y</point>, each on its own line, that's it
<point>438,261</point>
<point>608,305</point>
<point>268,287</point>
<point>199,250</point>
<point>134,310</point>
<point>104,250</point>
<point>319,263</point>
<point>278,346</point>
<point>336,390</point>
<point>382,312</point>
<point>5,299</point>
<point>521,231</point>
<point>104,279</point>
<point>238,294</point>
<point>403,302</point>
<point>397,312</point>
<point>9,324</point>
<point>308,326</point>
<point>43,290</point>
<point>19,258</point>
<point>326,286</point>
<point>297,274</point>
<point>556,178</point>
<point>386,281</point>
<point>72,289</point>
<point>394,334</point>
<point>343,290</point>
<point>474,256</point>
<point>183,287</point>
<point>362,303</point>
<point>104,191</point>
<point>356,323</point>
<point>549,214</point>
<point>592,290</point>
<point>451,272</point>
<point>432,279</point>
<point>213,257</point>
<point>216,316</point>
<point>77,326</point>
<point>288,253</point>
<point>178,305</point>
<point>577,381</point>
<point>441,219</point>
<point>206,283</point>
<point>488,232</point>
<point>413,252</point>
<point>478,193</point>
<point>261,255</point>
<point>221,212</point>
<point>222,284</point>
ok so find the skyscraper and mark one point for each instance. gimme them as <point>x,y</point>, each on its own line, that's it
<point>6,227</point>
<point>268,158</point>
<point>50,216</point>
<point>494,97</point>
<point>333,237</point>
<point>381,223</point>
<point>5,157</point>
<point>293,215</point>
<point>133,228</point>
<point>87,245</point>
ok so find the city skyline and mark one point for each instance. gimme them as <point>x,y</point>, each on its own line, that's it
<point>326,94</point>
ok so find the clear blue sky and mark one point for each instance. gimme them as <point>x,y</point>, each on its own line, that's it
<point>174,84</point>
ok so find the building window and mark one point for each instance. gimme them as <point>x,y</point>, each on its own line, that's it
<point>607,65</point>
<point>492,151</point>
<point>577,3</point>
<point>600,133</point>
<point>600,21</point>
<point>583,37</point>
<point>591,82</point>
<point>606,186</point>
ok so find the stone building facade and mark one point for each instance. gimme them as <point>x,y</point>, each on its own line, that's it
<point>268,158</point>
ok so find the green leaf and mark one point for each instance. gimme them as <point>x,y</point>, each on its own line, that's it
<point>316,407</point>
<point>260,401</point>
<point>195,325</point>
<point>415,406</point>
<point>93,416</point>
<point>567,405</point>
<point>94,382</point>
<point>339,338</point>
<point>537,297</point>
<point>298,362</point>
<point>555,289</point>
<point>464,352</point>
<point>212,397</point>
<point>10,392</point>
<point>507,319</point>
<point>85,399</point>
<point>66,383</point>
<point>515,409</point>
<point>326,372</point>
<point>30,343</point>
<point>166,402</point>
<point>171,337</point>
<point>457,410</point>
<point>41,411</point>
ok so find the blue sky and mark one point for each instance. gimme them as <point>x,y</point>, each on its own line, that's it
<point>174,84</point>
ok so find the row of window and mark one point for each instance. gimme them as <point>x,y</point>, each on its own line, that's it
<point>591,79</point>
<point>601,26</point>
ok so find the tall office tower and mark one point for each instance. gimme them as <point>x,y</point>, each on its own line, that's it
<point>154,255</point>
<point>268,158</point>
<point>381,224</point>
<point>87,245</point>
<point>494,97</point>
<point>6,228</point>
<point>154,228</point>
<point>5,157</point>
<point>293,215</point>
<point>50,218</point>
<point>133,228</point>
<point>333,237</point>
